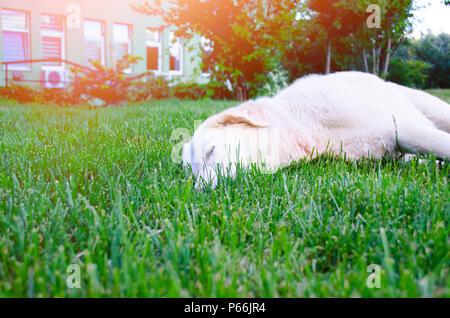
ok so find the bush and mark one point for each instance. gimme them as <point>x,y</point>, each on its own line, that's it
<point>20,93</point>
<point>435,50</point>
<point>191,90</point>
<point>220,91</point>
<point>412,73</point>
<point>57,96</point>
<point>108,86</point>
<point>95,86</point>
<point>150,87</point>
<point>272,82</point>
<point>99,86</point>
<point>26,94</point>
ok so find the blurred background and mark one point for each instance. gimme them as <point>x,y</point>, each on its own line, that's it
<point>217,49</point>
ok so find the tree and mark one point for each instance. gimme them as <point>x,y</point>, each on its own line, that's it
<point>239,32</point>
<point>338,18</point>
<point>395,22</point>
<point>107,86</point>
<point>412,73</point>
<point>341,18</point>
<point>435,50</point>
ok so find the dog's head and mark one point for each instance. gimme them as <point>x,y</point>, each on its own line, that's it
<point>237,137</point>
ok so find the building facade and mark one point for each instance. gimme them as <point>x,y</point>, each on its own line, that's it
<point>84,30</point>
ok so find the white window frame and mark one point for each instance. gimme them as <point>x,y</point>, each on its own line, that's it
<point>102,38</point>
<point>171,36</point>
<point>157,44</point>
<point>55,34</point>
<point>16,67</point>
<point>129,42</point>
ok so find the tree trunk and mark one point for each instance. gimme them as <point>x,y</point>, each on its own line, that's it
<point>241,91</point>
<point>328,67</point>
<point>366,65</point>
<point>239,94</point>
<point>374,58</point>
<point>380,58</point>
<point>388,55</point>
<point>378,62</point>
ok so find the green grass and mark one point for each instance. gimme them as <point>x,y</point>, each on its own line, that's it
<point>443,94</point>
<point>97,188</point>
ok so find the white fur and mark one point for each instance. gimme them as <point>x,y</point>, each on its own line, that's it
<point>354,113</point>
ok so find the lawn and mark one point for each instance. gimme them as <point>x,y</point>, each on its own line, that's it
<point>443,94</point>
<point>97,188</point>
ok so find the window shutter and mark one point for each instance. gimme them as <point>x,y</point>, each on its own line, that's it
<point>15,37</point>
<point>94,41</point>
<point>152,58</point>
<point>121,33</point>
<point>14,20</point>
<point>52,23</point>
<point>92,51</point>
<point>51,48</point>
<point>153,35</point>
<point>120,50</point>
<point>15,46</point>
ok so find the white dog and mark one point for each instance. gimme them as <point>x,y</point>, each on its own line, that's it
<point>349,113</point>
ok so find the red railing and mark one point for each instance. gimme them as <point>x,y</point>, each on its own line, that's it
<point>54,60</point>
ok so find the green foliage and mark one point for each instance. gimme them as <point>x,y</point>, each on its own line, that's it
<point>156,87</point>
<point>149,87</point>
<point>435,50</point>
<point>29,94</point>
<point>431,50</point>
<point>251,39</point>
<point>99,86</point>
<point>241,34</point>
<point>303,47</point>
<point>23,94</point>
<point>108,85</point>
<point>395,23</point>
<point>272,83</point>
<point>338,17</point>
<point>302,50</point>
<point>98,188</point>
<point>193,91</point>
<point>218,91</point>
<point>412,73</point>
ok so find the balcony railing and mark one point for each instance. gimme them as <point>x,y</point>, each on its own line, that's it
<point>54,60</point>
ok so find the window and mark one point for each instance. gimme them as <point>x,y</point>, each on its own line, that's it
<point>122,42</point>
<point>52,31</point>
<point>16,38</point>
<point>153,43</point>
<point>94,41</point>
<point>176,54</point>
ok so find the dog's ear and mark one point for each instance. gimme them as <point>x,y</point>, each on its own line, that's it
<point>250,113</point>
